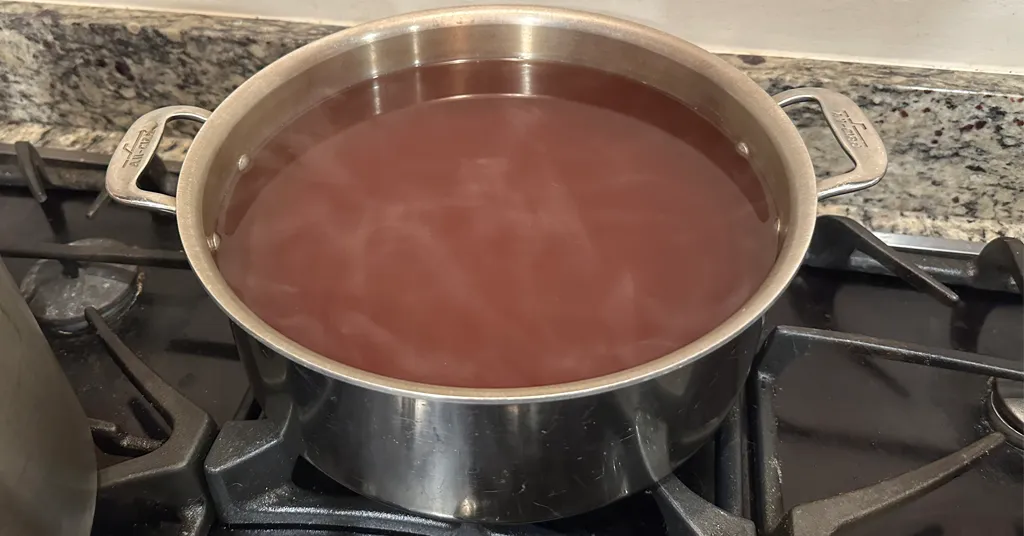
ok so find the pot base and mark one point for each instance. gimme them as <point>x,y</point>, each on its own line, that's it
<point>500,463</point>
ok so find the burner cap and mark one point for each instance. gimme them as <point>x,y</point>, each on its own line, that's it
<point>1006,409</point>
<point>58,300</point>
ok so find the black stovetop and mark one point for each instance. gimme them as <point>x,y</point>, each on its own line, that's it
<point>870,396</point>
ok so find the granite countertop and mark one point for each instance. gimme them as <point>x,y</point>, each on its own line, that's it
<point>76,77</point>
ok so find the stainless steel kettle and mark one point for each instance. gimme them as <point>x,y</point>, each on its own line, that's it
<point>47,460</point>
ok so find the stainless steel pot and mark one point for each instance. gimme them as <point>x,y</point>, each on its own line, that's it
<point>499,455</point>
<point>47,460</point>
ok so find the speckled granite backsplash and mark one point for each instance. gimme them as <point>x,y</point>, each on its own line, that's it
<point>76,77</point>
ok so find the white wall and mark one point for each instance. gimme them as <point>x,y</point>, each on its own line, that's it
<point>986,35</point>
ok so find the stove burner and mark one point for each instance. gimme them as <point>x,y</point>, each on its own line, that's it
<point>1006,409</point>
<point>58,292</point>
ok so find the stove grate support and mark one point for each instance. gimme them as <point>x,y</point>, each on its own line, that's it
<point>164,479</point>
<point>828,516</point>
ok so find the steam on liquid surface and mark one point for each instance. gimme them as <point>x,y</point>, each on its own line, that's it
<point>497,241</point>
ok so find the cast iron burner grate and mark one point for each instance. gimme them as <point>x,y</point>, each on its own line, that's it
<point>1000,266</point>
<point>70,276</point>
<point>826,517</point>
<point>162,479</point>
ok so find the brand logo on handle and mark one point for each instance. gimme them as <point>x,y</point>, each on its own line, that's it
<point>850,129</point>
<point>137,149</point>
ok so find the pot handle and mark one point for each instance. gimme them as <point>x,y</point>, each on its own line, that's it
<point>135,152</point>
<point>855,134</point>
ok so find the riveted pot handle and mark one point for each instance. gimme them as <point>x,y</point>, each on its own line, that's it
<point>136,151</point>
<point>855,134</point>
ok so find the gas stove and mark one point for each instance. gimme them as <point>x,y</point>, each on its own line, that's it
<point>887,397</point>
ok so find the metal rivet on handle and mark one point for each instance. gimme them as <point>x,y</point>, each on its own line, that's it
<point>213,242</point>
<point>743,149</point>
<point>243,162</point>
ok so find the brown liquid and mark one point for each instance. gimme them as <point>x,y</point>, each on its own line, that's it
<point>497,241</point>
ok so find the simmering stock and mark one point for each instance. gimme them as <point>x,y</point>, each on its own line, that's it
<point>499,240</point>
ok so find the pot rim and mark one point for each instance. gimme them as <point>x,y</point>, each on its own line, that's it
<point>792,152</point>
